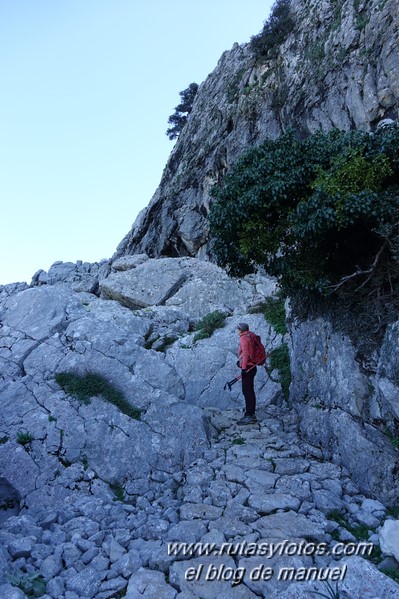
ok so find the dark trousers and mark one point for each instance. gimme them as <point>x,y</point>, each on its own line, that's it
<point>249,392</point>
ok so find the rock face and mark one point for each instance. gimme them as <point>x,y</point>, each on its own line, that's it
<point>96,503</point>
<point>53,328</point>
<point>350,413</point>
<point>337,68</point>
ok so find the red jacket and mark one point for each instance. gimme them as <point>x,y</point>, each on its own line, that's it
<point>244,350</point>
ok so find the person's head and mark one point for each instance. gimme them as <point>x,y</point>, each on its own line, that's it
<point>242,327</point>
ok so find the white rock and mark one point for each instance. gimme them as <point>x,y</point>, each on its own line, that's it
<point>389,538</point>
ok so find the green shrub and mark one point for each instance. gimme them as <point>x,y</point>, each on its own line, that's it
<point>321,215</point>
<point>273,310</point>
<point>275,31</point>
<point>161,343</point>
<point>337,517</point>
<point>361,532</point>
<point>394,512</point>
<point>208,324</point>
<point>118,491</point>
<point>89,385</point>
<point>238,441</point>
<point>33,585</point>
<point>280,360</point>
<point>7,504</point>
<point>273,464</point>
<point>167,341</point>
<point>24,438</point>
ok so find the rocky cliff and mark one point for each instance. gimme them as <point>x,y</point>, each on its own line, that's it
<point>104,499</point>
<point>337,68</point>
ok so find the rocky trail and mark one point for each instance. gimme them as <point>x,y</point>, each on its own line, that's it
<point>256,516</point>
<point>182,502</point>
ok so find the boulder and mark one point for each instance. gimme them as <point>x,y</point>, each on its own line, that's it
<point>185,284</point>
<point>389,538</point>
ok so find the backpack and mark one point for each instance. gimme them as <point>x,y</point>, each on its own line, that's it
<point>258,354</point>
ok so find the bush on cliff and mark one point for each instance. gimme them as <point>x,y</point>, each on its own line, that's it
<point>275,31</point>
<point>321,214</point>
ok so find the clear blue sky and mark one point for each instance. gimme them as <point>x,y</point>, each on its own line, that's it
<point>87,89</point>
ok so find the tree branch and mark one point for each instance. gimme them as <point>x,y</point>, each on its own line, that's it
<point>359,272</point>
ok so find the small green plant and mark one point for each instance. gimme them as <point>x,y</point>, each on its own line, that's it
<point>394,512</point>
<point>273,463</point>
<point>376,555</point>
<point>167,341</point>
<point>208,324</point>
<point>341,55</point>
<point>280,360</point>
<point>24,438</point>
<point>7,504</point>
<point>84,387</point>
<point>335,535</point>
<point>164,342</point>
<point>118,490</point>
<point>273,310</point>
<point>238,441</point>
<point>315,52</point>
<point>361,532</point>
<point>337,517</point>
<point>394,440</point>
<point>52,418</point>
<point>33,585</point>
<point>3,440</point>
<point>362,21</point>
<point>331,593</point>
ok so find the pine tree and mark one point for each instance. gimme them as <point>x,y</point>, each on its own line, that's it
<point>180,117</point>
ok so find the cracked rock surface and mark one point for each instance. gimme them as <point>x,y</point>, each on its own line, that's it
<point>91,498</point>
<point>253,487</point>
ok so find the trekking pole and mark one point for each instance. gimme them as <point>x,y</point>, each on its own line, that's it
<point>229,384</point>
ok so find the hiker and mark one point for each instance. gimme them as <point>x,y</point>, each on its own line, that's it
<point>248,372</point>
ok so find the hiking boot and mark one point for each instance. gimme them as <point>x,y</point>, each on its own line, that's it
<point>247,419</point>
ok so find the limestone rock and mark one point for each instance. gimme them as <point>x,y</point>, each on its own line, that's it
<point>362,579</point>
<point>389,538</point>
<point>80,276</point>
<point>337,402</point>
<point>148,584</point>
<point>185,284</point>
